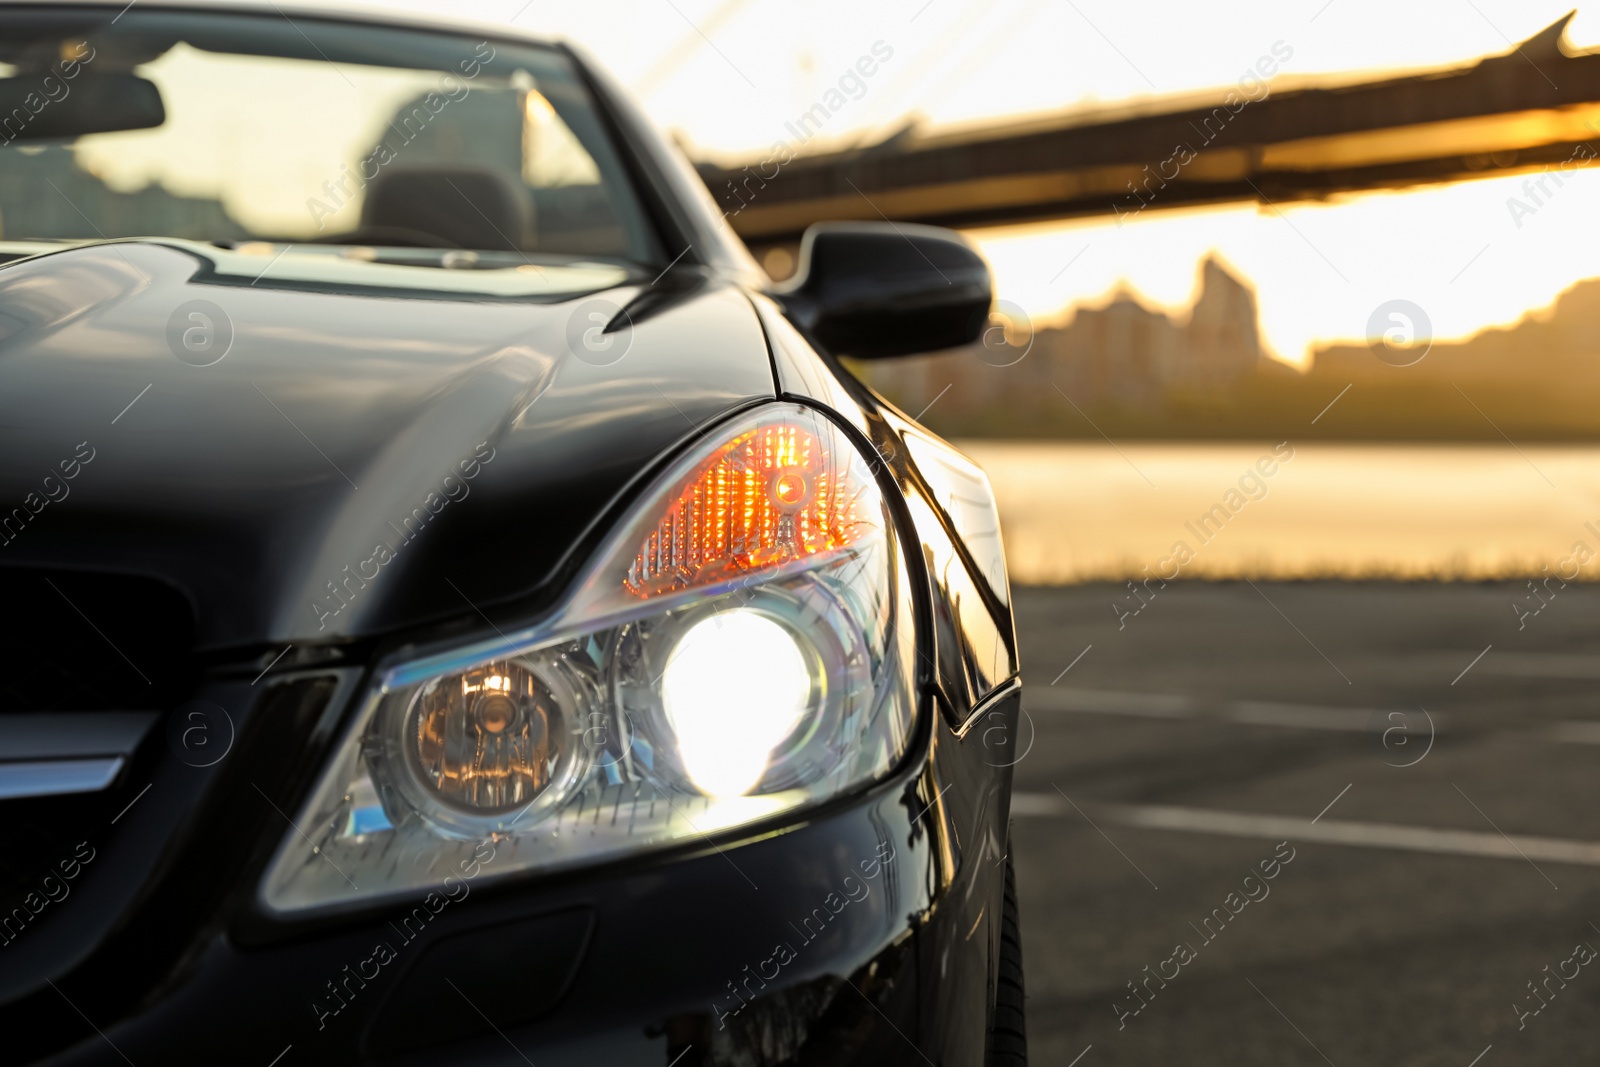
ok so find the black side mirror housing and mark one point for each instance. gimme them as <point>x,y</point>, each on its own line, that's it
<point>873,290</point>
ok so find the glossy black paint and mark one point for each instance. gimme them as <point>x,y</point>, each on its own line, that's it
<point>641,961</point>
<point>343,417</point>
<point>161,950</point>
<point>974,726</point>
<point>878,289</point>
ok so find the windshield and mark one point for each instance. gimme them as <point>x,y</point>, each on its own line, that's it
<point>230,127</point>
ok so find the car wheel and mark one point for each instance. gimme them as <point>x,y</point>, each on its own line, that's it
<point>1008,1036</point>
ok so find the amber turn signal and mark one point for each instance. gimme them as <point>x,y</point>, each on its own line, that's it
<point>766,498</point>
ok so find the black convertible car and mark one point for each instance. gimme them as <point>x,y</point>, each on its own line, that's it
<point>460,611</point>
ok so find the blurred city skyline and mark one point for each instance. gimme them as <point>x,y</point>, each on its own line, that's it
<point>1125,368</point>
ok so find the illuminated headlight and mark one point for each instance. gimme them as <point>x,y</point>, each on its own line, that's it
<point>742,648</point>
<point>735,685</point>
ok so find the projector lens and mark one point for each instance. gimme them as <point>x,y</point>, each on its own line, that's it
<point>736,684</point>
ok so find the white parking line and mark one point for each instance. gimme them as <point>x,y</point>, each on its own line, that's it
<point>1583,733</point>
<point>1180,706</point>
<point>1112,702</point>
<point>1543,665</point>
<point>1331,831</point>
<point>1304,716</point>
<point>1278,713</point>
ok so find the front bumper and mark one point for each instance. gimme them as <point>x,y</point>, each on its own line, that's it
<point>862,935</point>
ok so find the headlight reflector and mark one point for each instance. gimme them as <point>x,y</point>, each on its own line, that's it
<point>483,738</point>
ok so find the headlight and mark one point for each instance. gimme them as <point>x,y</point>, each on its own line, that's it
<point>742,648</point>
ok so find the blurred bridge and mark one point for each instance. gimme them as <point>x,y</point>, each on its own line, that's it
<point>1535,107</point>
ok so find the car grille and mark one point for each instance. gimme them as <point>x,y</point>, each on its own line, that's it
<point>82,642</point>
<point>93,642</point>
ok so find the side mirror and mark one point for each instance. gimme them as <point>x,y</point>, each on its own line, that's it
<point>875,289</point>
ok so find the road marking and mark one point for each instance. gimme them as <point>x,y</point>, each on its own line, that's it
<point>1480,1056</point>
<point>1179,706</point>
<point>1330,832</point>
<point>1112,702</point>
<point>1544,665</point>
<point>1274,713</point>
<point>1583,733</point>
<point>1300,716</point>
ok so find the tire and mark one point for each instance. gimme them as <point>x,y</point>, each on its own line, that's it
<point>1008,1034</point>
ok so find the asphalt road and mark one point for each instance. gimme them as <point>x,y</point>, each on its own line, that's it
<point>1429,883</point>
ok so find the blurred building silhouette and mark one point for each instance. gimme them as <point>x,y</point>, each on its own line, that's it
<point>1550,349</point>
<point>1124,369</point>
<point>44,193</point>
<point>1119,354</point>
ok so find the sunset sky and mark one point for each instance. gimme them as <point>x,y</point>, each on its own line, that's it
<point>1320,270</point>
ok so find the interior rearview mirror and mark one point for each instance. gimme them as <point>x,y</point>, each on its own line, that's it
<point>877,289</point>
<point>34,108</point>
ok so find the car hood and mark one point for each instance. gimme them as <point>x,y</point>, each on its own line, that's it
<point>315,448</point>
